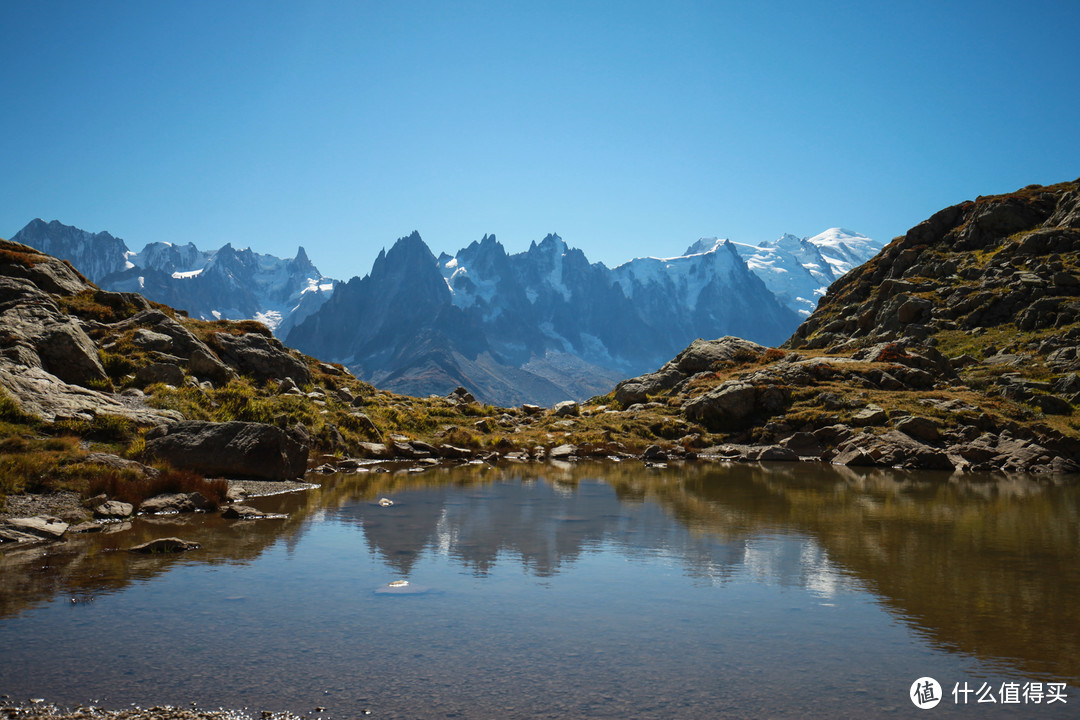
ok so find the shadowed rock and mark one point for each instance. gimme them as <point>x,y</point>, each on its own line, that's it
<point>232,449</point>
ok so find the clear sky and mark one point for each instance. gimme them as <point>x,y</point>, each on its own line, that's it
<point>630,128</point>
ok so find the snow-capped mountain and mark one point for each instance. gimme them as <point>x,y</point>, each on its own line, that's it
<point>208,284</point>
<point>538,326</point>
<point>799,270</point>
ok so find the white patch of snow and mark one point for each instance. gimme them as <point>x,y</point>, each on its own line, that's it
<point>270,318</point>
<point>128,264</point>
<point>216,314</point>
<point>187,274</point>
<point>142,281</point>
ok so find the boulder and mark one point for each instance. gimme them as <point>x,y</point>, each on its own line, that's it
<point>563,452</point>
<point>654,453</point>
<point>777,453</point>
<point>113,510</point>
<point>891,449</point>
<point>566,408</point>
<point>232,449</point>
<point>700,356</point>
<point>374,450</point>
<point>263,358</point>
<point>204,364</point>
<point>920,428</point>
<point>727,407</point>
<point>184,343</point>
<point>165,373</point>
<point>150,340</point>
<point>803,444</point>
<point>461,396</point>
<point>165,545</point>
<point>364,423</point>
<point>43,526</point>
<point>870,415</point>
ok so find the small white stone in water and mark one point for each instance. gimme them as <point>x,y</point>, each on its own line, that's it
<point>399,583</point>
<point>386,502</point>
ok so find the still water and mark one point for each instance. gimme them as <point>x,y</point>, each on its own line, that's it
<point>588,591</point>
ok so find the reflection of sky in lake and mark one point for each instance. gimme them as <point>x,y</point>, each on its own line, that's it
<point>635,598</point>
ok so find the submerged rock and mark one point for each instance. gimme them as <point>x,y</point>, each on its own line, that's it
<point>175,503</point>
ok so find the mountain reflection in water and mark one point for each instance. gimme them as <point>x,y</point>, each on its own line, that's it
<point>985,569</point>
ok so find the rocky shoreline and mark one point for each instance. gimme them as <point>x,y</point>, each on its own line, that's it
<point>39,709</point>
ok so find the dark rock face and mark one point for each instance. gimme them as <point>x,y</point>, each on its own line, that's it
<point>232,449</point>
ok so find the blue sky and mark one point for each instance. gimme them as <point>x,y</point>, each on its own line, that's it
<point>630,128</point>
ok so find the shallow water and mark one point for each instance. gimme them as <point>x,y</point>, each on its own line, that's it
<point>590,591</point>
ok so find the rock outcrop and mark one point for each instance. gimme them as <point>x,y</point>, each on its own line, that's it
<point>261,356</point>
<point>700,356</point>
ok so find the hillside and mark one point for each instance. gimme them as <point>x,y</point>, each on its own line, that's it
<point>955,348</point>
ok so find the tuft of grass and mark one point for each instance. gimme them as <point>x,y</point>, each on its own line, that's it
<point>104,428</point>
<point>10,411</point>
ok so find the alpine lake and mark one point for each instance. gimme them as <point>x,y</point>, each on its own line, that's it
<point>593,590</point>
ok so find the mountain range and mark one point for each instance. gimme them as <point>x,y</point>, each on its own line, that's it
<point>546,324</point>
<point>538,326</point>
<point>217,284</point>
